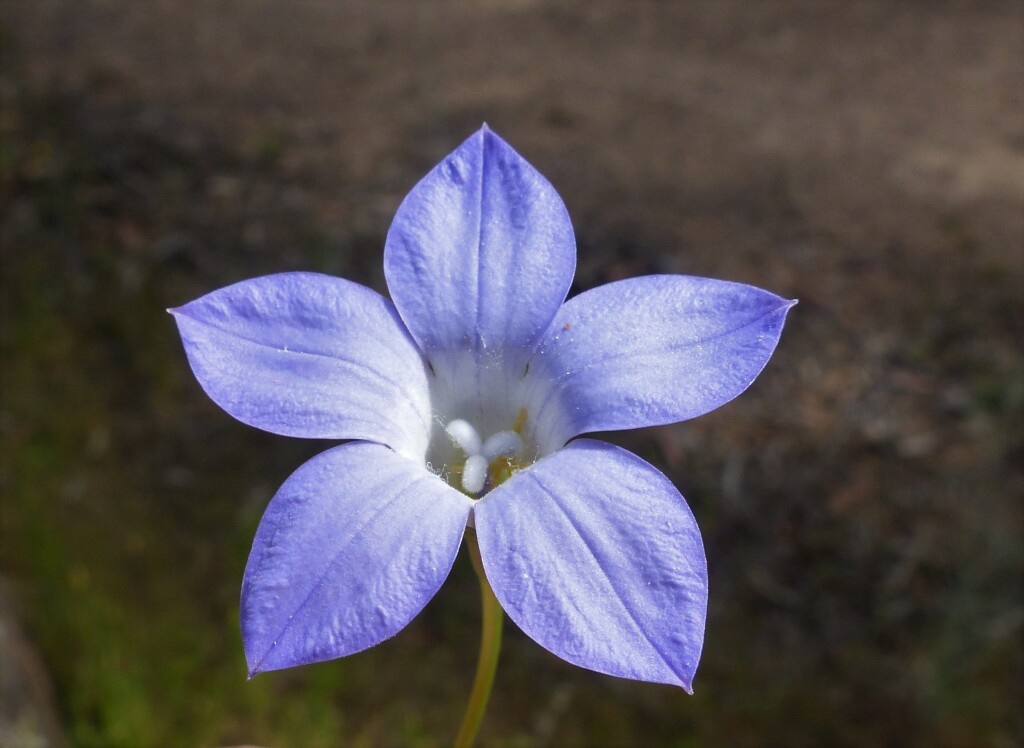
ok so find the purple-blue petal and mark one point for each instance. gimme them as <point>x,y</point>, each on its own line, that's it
<point>350,549</point>
<point>595,556</point>
<point>654,350</point>
<point>309,355</point>
<point>481,252</point>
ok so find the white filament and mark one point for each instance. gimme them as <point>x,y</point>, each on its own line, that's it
<point>502,444</point>
<point>474,474</point>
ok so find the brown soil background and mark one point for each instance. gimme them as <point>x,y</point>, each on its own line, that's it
<point>862,503</point>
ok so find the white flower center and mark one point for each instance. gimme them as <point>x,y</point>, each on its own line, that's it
<point>493,415</point>
<point>482,457</point>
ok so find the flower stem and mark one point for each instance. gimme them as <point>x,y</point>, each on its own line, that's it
<point>490,646</point>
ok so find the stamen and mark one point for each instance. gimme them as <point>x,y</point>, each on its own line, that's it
<point>463,434</point>
<point>502,444</point>
<point>474,474</point>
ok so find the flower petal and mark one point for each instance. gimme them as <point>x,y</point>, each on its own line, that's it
<point>654,350</point>
<point>596,556</point>
<point>481,252</point>
<point>309,355</point>
<point>350,549</point>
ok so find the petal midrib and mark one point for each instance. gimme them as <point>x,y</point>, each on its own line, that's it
<point>671,347</point>
<point>401,389</point>
<point>327,568</point>
<point>618,596</point>
<point>559,381</point>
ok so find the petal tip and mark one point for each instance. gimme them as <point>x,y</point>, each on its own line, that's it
<point>257,663</point>
<point>491,140</point>
<point>253,666</point>
<point>185,311</point>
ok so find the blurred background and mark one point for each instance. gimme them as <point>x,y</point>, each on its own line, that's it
<point>861,504</point>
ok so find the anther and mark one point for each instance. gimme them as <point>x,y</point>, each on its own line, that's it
<point>463,434</point>
<point>502,444</point>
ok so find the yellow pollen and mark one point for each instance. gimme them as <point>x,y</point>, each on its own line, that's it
<point>520,421</point>
<point>502,468</point>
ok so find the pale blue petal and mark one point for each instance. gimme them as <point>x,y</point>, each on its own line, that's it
<point>481,252</point>
<point>350,549</point>
<point>595,556</point>
<point>653,350</point>
<point>310,355</point>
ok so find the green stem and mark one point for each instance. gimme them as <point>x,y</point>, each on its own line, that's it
<point>490,646</point>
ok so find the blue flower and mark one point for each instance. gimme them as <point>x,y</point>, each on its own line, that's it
<point>462,400</point>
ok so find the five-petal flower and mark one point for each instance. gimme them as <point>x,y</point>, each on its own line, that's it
<point>461,402</point>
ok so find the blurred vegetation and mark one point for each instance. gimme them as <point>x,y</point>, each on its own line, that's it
<point>869,596</point>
